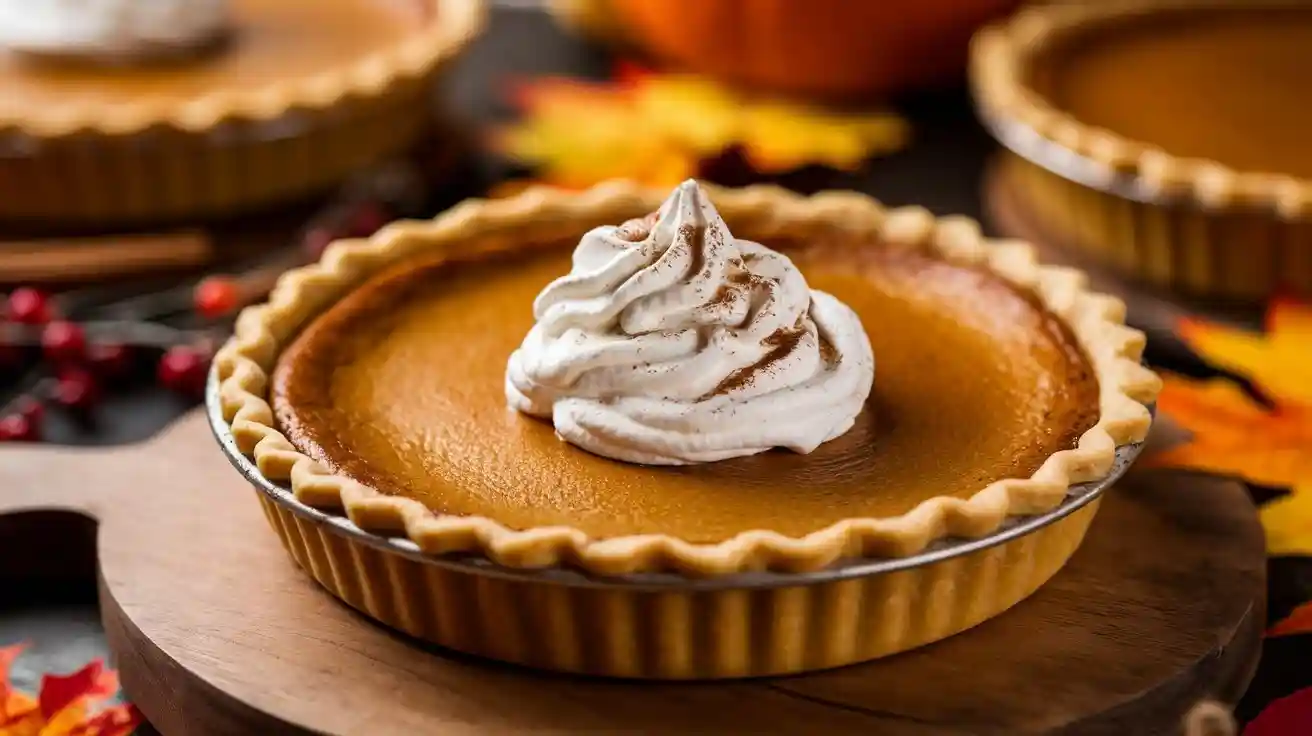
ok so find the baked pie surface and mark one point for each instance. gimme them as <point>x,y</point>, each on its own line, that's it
<point>392,387</point>
<point>373,382</point>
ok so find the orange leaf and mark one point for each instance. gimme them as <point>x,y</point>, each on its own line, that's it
<point>1287,317</point>
<point>7,656</point>
<point>562,94</point>
<point>65,721</point>
<point>1299,621</point>
<point>15,707</point>
<point>1279,361</point>
<point>629,74</point>
<point>1231,433</point>
<point>120,720</point>
<point>1234,435</point>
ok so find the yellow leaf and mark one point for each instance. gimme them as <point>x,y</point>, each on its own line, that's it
<point>713,127</point>
<point>1279,361</point>
<point>781,137</point>
<point>1288,523</point>
<point>657,130</point>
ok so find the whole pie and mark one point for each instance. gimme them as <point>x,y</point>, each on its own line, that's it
<point>1165,138</point>
<point>120,111</point>
<point>741,380</point>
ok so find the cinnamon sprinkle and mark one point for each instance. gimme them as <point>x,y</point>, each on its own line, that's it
<point>695,237</point>
<point>737,285</point>
<point>637,229</point>
<point>783,342</point>
<point>723,296</point>
<point>828,353</point>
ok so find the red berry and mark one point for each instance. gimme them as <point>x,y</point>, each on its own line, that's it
<point>215,297</point>
<point>76,389</point>
<point>183,370</point>
<point>367,219</point>
<point>110,360</point>
<point>317,240</point>
<point>31,410</point>
<point>63,342</point>
<point>28,306</point>
<point>17,428</point>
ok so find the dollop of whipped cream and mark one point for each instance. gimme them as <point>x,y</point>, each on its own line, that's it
<point>110,29</point>
<point>671,343</point>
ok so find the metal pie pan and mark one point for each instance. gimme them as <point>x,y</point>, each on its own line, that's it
<point>1077,497</point>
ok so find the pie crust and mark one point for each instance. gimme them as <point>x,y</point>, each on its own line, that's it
<point>244,364</point>
<point>1168,220</point>
<point>222,152</point>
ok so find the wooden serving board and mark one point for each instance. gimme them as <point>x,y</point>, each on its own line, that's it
<point>215,630</point>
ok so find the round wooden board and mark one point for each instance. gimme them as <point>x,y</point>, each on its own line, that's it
<point>215,630</point>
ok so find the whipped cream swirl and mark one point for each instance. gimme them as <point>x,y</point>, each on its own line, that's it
<point>111,29</point>
<point>673,343</point>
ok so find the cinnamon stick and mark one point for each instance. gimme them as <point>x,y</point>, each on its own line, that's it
<point>66,260</point>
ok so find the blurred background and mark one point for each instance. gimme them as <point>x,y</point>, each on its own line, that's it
<point>144,201</point>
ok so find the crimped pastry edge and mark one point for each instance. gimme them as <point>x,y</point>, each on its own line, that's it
<point>458,22</point>
<point>1003,54</point>
<point>245,362</point>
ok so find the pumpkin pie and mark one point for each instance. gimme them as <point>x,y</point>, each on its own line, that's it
<point>376,383</point>
<point>118,112</point>
<point>1165,139</point>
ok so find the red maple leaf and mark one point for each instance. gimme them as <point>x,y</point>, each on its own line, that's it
<point>63,706</point>
<point>92,683</point>
<point>1287,716</point>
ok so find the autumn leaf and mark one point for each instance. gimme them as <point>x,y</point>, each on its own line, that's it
<point>1283,717</point>
<point>1299,621</point>
<point>1232,432</point>
<point>63,707</point>
<point>12,702</point>
<point>1279,360</point>
<point>657,129</point>
<point>1262,436</point>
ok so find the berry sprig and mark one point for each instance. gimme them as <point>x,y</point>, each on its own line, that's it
<point>221,295</point>
<point>78,360</point>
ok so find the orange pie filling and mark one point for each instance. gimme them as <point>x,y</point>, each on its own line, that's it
<point>1229,85</point>
<point>269,43</point>
<point>400,386</point>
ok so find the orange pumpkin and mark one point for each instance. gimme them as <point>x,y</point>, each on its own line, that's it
<point>829,49</point>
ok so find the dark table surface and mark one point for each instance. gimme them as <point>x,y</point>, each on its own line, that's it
<point>941,170</point>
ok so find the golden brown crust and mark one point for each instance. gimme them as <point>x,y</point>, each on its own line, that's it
<point>1002,57</point>
<point>1097,321</point>
<point>417,56</point>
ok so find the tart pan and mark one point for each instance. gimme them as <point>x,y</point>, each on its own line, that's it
<point>222,155</point>
<point>665,625</point>
<point>1192,226</point>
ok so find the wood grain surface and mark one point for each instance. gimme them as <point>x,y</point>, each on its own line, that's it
<point>217,632</point>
